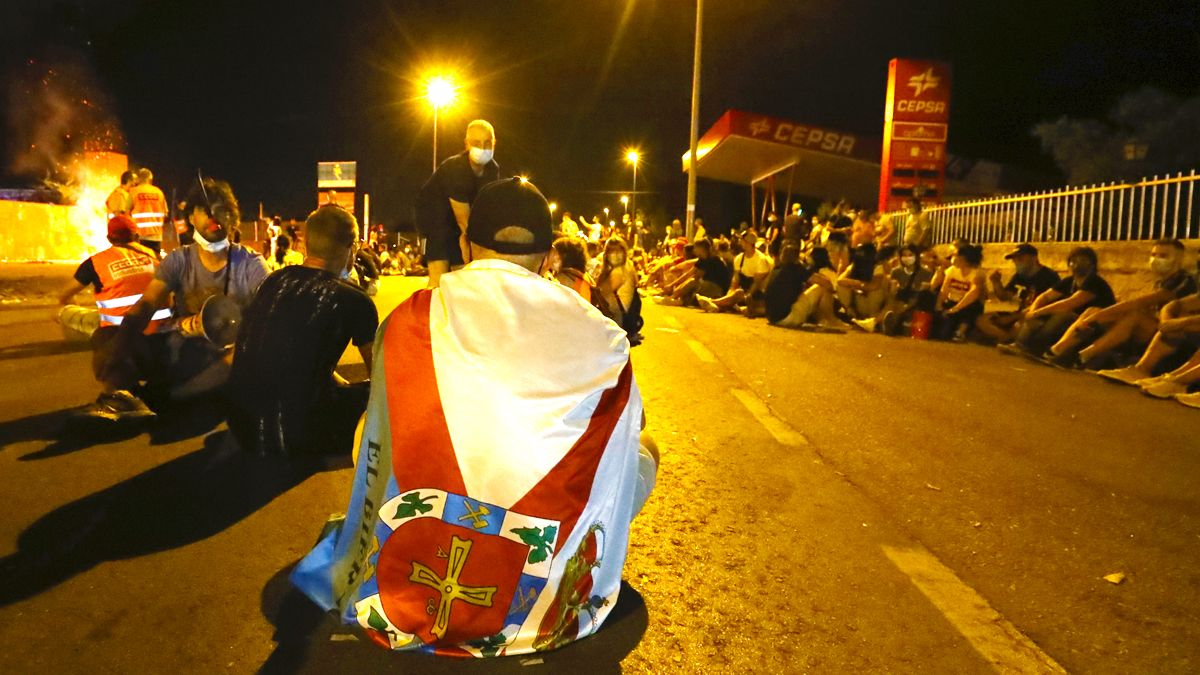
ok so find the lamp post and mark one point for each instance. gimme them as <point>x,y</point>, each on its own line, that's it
<point>633,157</point>
<point>440,93</point>
<point>690,229</point>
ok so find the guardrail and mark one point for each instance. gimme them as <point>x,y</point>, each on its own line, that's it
<point>1153,208</point>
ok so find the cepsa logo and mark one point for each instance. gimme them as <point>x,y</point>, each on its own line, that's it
<point>805,137</point>
<point>922,90</point>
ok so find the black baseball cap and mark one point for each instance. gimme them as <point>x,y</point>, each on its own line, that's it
<point>1022,249</point>
<point>511,202</point>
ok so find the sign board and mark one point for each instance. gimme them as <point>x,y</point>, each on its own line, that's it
<point>788,132</point>
<point>915,130</point>
<point>336,175</point>
<point>343,198</point>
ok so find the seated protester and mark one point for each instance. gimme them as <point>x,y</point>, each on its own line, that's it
<point>1178,332</point>
<point>748,283</point>
<point>595,260</point>
<point>1133,321</point>
<point>617,286</point>
<point>1030,279</point>
<point>787,281</point>
<point>660,274</point>
<point>838,247</point>
<point>567,262</point>
<point>1055,310</point>
<point>284,396</point>
<point>940,265</point>
<point>960,301</point>
<point>117,275</point>
<point>502,445</point>
<point>861,288</point>
<point>707,275</point>
<point>284,255</point>
<point>181,362</point>
<point>908,291</point>
<point>724,250</point>
<point>815,305</point>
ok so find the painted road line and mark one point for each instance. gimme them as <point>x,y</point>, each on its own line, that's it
<point>672,322</point>
<point>782,431</point>
<point>701,351</point>
<point>997,640</point>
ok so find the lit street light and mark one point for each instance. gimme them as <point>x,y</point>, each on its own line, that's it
<point>440,92</point>
<point>633,156</point>
<point>553,207</point>
<point>625,202</point>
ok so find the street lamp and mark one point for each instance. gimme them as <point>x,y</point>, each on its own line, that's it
<point>624,202</point>
<point>440,92</point>
<point>633,157</point>
<point>553,207</point>
<point>606,213</point>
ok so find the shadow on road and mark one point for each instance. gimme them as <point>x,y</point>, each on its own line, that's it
<point>311,641</point>
<point>69,432</point>
<point>46,348</point>
<point>181,502</point>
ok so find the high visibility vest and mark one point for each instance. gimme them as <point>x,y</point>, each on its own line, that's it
<point>148,211</point>
<point>124,274</point>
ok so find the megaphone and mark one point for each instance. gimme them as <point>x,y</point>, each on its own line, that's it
<point>218,321</point>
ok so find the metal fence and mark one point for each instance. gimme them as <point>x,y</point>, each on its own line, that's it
<point>1152,208</point>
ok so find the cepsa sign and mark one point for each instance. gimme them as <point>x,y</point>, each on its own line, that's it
<point>790,133</point>
<point>915,129</point>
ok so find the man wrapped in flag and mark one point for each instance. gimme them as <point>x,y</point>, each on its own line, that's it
<point>499,466</point>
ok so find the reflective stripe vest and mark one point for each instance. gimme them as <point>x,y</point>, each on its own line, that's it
<point>148,211</point>
<point>124,273</point>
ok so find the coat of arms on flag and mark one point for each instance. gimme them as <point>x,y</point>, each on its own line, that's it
<point>453,568</point>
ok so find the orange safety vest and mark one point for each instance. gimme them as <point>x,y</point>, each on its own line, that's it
<point>149,210</point>
<point>124,274</point>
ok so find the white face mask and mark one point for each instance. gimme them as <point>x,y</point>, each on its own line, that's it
<point>481,155</point>
<point>211,246</point>
<point>1163,266</point>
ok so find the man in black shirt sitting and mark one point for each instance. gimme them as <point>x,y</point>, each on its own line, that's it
<point>706,274</point>
<point>1029,280</point>
<point>444,202</point>
<point>284,395</point>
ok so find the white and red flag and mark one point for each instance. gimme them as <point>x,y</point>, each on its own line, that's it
<point>497,475</point>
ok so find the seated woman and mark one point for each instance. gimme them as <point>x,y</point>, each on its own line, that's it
<point>814,308</point>
<point>960,300</point>
<point>787,281</point>
<point>617,285</point>
<point>567,262</point>
<point>908,291</point>
<point>861,288</point>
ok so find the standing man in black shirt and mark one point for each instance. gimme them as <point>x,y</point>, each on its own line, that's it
<point>444,202</point>
<point>284,395</point>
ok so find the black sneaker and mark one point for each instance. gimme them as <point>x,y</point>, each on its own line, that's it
<point>1067,361</point>
<point>119,406</point>
<point>890,320</point>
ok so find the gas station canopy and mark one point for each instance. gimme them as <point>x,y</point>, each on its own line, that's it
<point>747,148</point>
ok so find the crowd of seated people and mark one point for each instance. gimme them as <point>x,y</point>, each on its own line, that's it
<point>848,270</point>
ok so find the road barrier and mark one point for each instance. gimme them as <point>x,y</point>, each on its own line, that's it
<point>1150,209</point>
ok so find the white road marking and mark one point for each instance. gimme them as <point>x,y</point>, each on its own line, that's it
<point>701,351</point>
<point>672,322</point>
<point>782,431</point>
<point>998,641</point>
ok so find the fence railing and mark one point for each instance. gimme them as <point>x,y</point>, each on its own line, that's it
<point>1153,208</point>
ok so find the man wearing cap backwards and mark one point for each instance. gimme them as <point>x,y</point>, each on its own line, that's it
<point>118,275</point>
<point>499,466</point>
<point>179,362</point>
<point>443,205</point>
<point>1030,279</point>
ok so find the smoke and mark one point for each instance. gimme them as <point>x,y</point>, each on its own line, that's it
<point>57,110</point>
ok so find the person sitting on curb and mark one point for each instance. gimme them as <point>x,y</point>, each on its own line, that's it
<point>1129,321</point>
<point>1178,331</point>
<point>788,280</point>
<point>749,282</point>
<point>706,275</point>
<point>862,288</point>
<point>908,292</point>
<point>1030,279</point>
<point>960,300</point>
<point>1055,310</point>
<point>815,308</point>
<point>501,461</point>
<point>284,395</point>
<point>183,362</point>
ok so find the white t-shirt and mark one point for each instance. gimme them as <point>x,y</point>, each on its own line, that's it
<point>759,263</point>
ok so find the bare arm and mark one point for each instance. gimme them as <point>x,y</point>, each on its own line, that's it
<point>68,294</point>
<point>1069,304</point>
<point>972,295</point>
<point>365,352</point>
<point>1113,312</point>
<point>462,213</point>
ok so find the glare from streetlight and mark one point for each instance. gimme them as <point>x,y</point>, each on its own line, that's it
<point>440,91</point>
<point>553,207</point>
<point>632,156</point>
<point>606,212</point>
<point>625,199</point>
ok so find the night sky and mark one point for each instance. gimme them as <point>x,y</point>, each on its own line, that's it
<point>258,92</point>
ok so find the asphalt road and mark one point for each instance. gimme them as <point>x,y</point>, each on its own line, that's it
<point>826,503</point>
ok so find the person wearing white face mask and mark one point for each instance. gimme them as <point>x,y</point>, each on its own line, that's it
<point>1135,320</point>
<point>181,362</point>
<point>1030,279</point>
<point>444,202</point>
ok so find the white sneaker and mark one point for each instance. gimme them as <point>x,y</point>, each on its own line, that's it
<point>707,304</point>
<point>1190,400</point>
<point>1164,389</point>
<point>1128,375</point>
<point>865,324</point>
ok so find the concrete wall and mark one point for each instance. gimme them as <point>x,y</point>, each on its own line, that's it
<point>1124,264</point>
